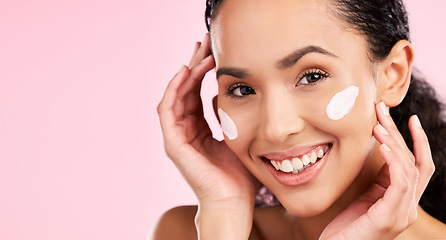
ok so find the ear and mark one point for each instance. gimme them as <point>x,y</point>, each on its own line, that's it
<point>215,105</point>
<point>395,73</point>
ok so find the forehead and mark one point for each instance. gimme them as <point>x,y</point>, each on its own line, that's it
<point>270,29</point>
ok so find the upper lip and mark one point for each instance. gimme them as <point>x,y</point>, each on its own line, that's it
<point>291,153</point>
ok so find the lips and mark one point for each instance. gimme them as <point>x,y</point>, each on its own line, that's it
<point>298,166</point>
<point>300,163</point>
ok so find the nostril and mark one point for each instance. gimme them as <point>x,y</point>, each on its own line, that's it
<point>279,133</point>
<point>278,119</point>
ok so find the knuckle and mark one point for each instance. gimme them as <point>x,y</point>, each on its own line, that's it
<point>160,107</point>
<point>398,228</point>
<point>413,172</point>
<point>430,168</point>
<point>403,185</point>
<point>386,225</point>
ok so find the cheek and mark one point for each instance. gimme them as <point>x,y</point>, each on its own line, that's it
<point>239,126</point>
<point>353,118</point>
<point>227,125</point>
<point>346,113</point>
<point>342,102</point>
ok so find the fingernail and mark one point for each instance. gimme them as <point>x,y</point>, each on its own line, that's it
<point>382,129</point>
<point>417,122</point>
<point>383,108</point>
<point>385,147</point>
<point>207,59</point>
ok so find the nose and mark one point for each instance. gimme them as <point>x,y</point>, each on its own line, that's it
<point>280,118</point>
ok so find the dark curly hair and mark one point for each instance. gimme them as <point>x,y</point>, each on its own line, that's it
<point>384,23</point>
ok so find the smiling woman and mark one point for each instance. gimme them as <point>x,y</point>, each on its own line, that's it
<point>304,94</point>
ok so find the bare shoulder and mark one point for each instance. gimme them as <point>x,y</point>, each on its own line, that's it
<point>426,227</point>
<point>176,223</point>
<point>437,229</point>
<point>179,223</point>
<point>433,228</point>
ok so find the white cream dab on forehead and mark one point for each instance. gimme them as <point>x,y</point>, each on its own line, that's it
<point>342,102</point>
<point>227,125</point>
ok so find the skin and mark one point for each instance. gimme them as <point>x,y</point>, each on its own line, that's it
<point>270,125</point>
<point>376,194</point>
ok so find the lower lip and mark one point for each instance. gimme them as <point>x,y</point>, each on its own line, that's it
<point>301,178</point>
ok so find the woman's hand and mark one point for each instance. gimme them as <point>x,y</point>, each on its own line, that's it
<point>221,183</point>
<point>390,205</point>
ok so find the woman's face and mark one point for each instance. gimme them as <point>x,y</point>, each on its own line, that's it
<point>279,64</point>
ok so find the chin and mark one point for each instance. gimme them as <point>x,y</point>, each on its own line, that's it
<point>307,207</point>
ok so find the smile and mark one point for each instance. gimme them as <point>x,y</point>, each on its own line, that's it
<point>298,166</point>
<point>300,163</point>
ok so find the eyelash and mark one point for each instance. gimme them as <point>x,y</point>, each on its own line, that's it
<point>233,87</point>
<point>323,75</point>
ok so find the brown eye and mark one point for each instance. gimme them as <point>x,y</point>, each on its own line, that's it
<point>240,90</point>
<point>312,77</point>
<point>243,91</point>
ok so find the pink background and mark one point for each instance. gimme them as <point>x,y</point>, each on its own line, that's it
<point>81,152</point>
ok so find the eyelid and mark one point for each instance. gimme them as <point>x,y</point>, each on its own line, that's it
<point>230,90</point>
<point>324,75</point>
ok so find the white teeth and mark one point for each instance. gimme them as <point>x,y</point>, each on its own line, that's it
<point>313,157</point>
<point>286,166</point>
<point>297,164</point>
<point>306,160</point>
<point>275,165</point>
<point>320,154</point>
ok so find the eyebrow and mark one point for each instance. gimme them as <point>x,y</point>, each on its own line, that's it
<point>234,72</point>
<point>284,63</point>
<point>295,56</point>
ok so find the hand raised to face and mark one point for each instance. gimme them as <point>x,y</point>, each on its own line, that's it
<point>390,205</point>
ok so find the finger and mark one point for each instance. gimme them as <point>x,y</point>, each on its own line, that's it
<point>196,76</point>
<point>387,122</point>
<point>403,181</point>
<point>383,136</point>
<point>165,108</point>
<point>197,47</point>
<point>407,212</point>
<point>393,142</point>
<point>423,155</point>
<point>202,52</point>
<point>188,98</point>
<point>407,209</point>
<point>385,210</point>
<point>171,90</point>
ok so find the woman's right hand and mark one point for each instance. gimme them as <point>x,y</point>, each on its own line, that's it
<point>390,205</point>
<point>212,170</point>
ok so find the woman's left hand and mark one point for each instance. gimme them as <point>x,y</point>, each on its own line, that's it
<point>390,205</point>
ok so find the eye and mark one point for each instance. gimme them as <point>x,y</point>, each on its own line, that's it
<point>312,77</point>
<point>239,90</point>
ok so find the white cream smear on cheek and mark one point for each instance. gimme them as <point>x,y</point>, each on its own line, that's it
<point>227,125</point>
<point>342,102</point>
